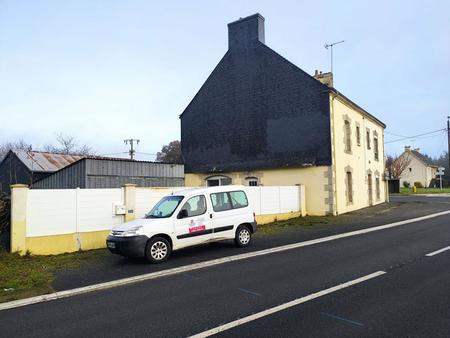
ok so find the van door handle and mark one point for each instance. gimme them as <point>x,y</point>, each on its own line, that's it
<point>210,215</point>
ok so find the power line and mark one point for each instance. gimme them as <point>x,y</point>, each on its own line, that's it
<point>417,136</point>
<point>393,134</point>
<point>124,152</point>
<point>139,152</point>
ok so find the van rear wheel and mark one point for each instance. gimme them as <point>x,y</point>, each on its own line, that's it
<point>243,236</point>
<point>158,250</point>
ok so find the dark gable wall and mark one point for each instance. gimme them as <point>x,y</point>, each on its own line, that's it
<point>13,171</point>
<point>256,111</point>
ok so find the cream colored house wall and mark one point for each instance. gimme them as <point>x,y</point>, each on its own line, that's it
<point>317,182</point>
<point>360,161</point>
<point>417,171</point>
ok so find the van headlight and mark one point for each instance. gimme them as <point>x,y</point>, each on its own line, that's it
<point>132,231</point>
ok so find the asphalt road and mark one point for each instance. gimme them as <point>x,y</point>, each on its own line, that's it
<point>112,267</point>
<point>412,299</point>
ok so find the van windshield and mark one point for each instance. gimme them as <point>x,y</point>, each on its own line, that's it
<point>165,207</point>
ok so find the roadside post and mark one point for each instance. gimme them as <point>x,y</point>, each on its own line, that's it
<point>440,173</point>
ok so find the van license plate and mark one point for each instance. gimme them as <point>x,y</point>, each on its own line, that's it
<point>111,245</point>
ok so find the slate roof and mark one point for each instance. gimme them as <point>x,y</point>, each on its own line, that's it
<point>423,159</point>
<point>38,161</point>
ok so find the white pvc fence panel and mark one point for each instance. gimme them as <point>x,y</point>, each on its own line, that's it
<point>95,209</point>
<point>274,200</point>
<point>66,211</point>
<point>51,212</point>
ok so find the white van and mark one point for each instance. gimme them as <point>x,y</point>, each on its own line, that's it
<point>186,218</point>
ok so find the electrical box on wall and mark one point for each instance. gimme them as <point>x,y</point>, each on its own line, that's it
<point>119,209</point>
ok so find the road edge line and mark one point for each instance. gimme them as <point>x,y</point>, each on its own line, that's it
<point>437,251</point>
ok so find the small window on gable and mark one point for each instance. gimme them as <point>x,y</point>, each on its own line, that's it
<point>214,181</point>
<point>348,135</point>
<point>358,135</point>
<point>252,181</point>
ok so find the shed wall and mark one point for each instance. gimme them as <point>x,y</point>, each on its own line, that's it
<point>70,177</point>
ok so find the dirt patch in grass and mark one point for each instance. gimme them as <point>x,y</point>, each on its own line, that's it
<point>307,222</point>
<point>27,276</point>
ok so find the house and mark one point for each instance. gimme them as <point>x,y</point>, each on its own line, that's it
<point>260,120</point>
<point>419,168</point>
<point>103,172</point>
<point>27,167</point>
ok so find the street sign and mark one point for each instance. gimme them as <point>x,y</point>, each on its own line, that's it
<point>440,173</point>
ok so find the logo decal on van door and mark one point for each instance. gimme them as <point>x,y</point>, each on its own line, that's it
<point>197,228</point>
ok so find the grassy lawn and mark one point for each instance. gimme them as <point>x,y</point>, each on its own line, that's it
<point>408,191</point>
<point>27,276</point>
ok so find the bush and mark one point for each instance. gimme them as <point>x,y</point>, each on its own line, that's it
<point>418,184</point>
<point>406,184</point>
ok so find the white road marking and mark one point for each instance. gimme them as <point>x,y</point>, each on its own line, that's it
<point>285,306</point>
<point>437,251</point>
<point>202,265</point>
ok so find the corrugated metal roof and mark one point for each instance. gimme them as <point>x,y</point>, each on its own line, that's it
<point>45,162</point>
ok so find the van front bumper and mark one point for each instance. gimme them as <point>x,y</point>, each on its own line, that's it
<point>133,246</point>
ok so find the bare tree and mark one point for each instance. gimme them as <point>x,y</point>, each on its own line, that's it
<point>170,153</point>
<point>15,145</point>
<point>396,165</point>
<point>68,145</point>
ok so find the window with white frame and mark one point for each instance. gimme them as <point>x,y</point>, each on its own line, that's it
<point>214,181</point>
<point>252,181</point>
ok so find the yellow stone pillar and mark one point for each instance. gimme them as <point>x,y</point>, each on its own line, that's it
<point>302,200</point>
<point>19,193</point>
<point>130,200</point>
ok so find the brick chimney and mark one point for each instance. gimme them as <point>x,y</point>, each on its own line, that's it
<point>325,78</point>
<point>246,32</point>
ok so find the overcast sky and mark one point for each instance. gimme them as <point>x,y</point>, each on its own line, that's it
<point>104,71</point>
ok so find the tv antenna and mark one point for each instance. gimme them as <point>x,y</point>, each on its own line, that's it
<point>331,49</point>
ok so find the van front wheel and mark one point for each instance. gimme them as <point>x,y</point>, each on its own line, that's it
<point>158,250</point>
<point>243,236</point>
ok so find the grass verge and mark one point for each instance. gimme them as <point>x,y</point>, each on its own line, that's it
<point>307,222</point>
<point>408,191</point>
<point>28,276</point>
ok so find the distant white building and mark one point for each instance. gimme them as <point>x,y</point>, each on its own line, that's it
<point>419,169</point>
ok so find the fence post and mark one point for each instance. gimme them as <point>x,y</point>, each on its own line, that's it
<point>301,191</point>
<point>130,200</point>
<point>19,196</point>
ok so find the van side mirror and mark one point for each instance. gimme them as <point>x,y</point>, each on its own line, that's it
<point>182,214</point>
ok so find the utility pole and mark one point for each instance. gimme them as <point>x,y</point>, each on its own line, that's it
<point>331,48</point>
<point>448,142</point>
<point>131,142</point>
